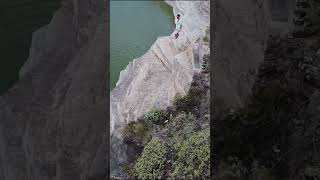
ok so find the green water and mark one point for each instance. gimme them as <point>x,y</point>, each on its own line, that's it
<point>134,27</point>
<point>18,20</point>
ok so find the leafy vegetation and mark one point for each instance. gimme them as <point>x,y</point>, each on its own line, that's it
<point>151,164</point>
<point>192,156</point>
<point>156,117</point>
<point>137,131</point>
<point>176,139</point>
<point>182,124</point>
<point>183,103</point>
<point>191,102</point>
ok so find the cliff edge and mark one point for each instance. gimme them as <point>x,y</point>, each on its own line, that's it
<point>165,70</point>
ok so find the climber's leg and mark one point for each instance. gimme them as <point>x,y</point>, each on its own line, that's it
<point>173,35</point>
<point>176,35</point>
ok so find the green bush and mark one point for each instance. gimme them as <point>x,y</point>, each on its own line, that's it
<point>191,101</point>
<point>183,124</point>
<point>137,131</point>
<point>231,168</point>
<point>180,147</point>
<point>151,164</point>
<point>192,157</point>
<point>183,103</point>
<point>156,116</point>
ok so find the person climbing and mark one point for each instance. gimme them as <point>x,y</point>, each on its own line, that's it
<point>178,26</point>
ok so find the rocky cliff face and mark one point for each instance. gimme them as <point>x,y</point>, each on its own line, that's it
<point>53,121</point>
<point>166,70</point>
<point>305,17</point>
<point>240,37</point>
<point>281,115</point>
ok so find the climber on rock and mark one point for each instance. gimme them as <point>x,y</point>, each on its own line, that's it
<point>178,26</point>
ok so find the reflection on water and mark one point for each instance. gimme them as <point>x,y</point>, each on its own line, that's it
<point>134,26</point>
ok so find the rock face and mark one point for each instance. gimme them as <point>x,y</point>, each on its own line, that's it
<point>166,70</point>
<point>281,16</point>
<point>281,120</point>
<point>240,37</point>
<point>53,121</point>
<point>281,116</point>
<point>306,17</point>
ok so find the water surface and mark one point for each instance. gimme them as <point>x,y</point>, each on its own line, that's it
<point>134,26</point>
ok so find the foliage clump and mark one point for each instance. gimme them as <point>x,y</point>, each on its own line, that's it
<point>156,117</point>
<point>189,157</point>
<point>192,157</point>
<point>191,101</point>
<point>137,131</point>
<point>175,140</point>
<point>183,123</point>
<point>151,163</point>
<point>183,103</point>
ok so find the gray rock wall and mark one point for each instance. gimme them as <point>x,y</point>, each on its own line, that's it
<point>281,16</point>
<point>306,17</point>
<point>53,121</point>
<point>240,39</point>
<point>242,28</point>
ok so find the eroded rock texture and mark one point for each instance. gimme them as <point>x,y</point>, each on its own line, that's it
<point>306,17</point>
<point>240,37</point>
<point>53,121</point>
<point>153,80</point>
<point>275,134</point>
